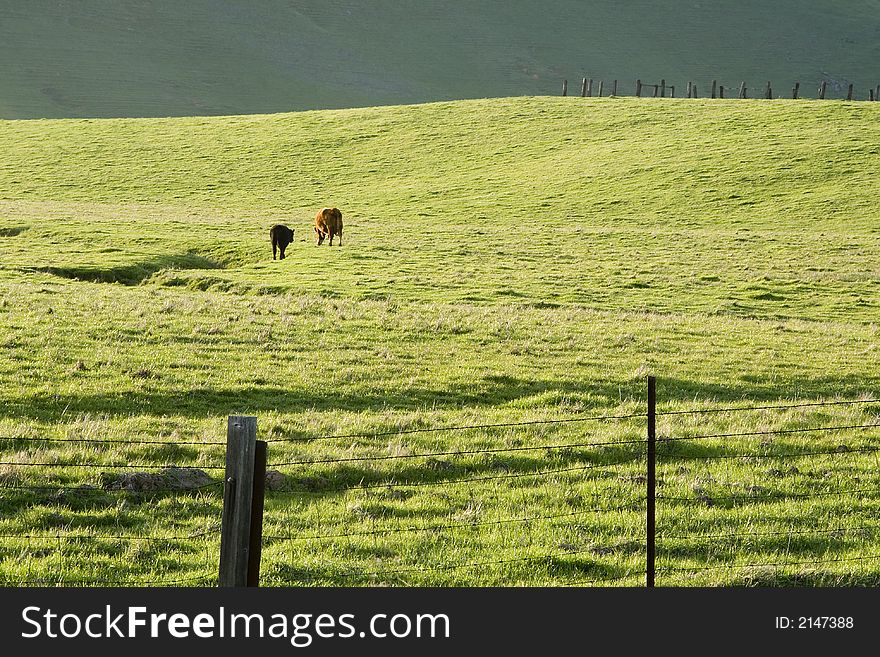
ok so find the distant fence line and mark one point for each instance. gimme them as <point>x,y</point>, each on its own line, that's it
<point>660,90</point>
<point>244,492</point>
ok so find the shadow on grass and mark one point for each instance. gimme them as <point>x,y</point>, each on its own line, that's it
<point>577,568</point>
<point>132,273</point>
<point>487,392</point>
<point>338,479</point>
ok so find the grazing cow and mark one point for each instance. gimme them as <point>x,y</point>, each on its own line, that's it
<point>328,222</point>
<point>281,236</point>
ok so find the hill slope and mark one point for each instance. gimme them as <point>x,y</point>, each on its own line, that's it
<point>504,261</point>
<point>104,59</point>
<point>662,205</point>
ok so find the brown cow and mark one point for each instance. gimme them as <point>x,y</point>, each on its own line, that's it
<point>328,222</point>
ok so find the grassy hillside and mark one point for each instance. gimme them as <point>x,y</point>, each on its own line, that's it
<point>504,261</point>
<point>103,58</point>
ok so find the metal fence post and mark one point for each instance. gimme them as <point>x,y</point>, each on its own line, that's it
<point>652,482</point>
<point>241,437</point>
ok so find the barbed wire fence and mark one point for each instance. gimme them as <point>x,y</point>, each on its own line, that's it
<point>118,486</point>
<point>244,493</point>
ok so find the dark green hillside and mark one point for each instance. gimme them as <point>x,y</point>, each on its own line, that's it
<point>104,58</point>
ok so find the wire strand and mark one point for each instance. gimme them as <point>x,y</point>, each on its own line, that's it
<point>377,434</point>
<point>455,453</point>
<point>88,489</point>
<point>859,450</point>
<point>758,565</point>
<point>114,465</point>
<point>770,496</point>
<point>841,530</point>
<point>97,537</point>
<point>451,482</point>
<point>771,432</point>
<point>103,582</point>
<point>459,566</point>
<point>762,408</point>
<point>428,528</point>
<point>114,441</point>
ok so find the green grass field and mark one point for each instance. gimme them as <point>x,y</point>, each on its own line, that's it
<point>505,260</point>
<point>162,58</point>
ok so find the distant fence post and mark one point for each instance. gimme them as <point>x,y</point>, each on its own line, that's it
<point>690,84</point>
<point>877,93</point>
<point>656,89</point>
<point>565,87</point>
<point>714,88</point>
<point>638,88</point>
<point>870,94</point>
<point>589,87</point>
<point>663,88</point>
<point>849,94</point>
<point>694,89</point>
<point>584,88</point>
<point>742,90</point>
<point>235,532</point>
<point>797,88</point>
<point>601,83</point>
<point>672,91</point>
<point>614,88</point>
<point>768,92</point>
<point>721,91</point>
<point>822,90</point>
<point>652,484</point>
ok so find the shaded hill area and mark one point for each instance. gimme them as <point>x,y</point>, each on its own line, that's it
<point>107,59</point>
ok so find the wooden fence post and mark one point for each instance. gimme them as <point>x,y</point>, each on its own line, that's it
<point>589,87</point>
<point>796,90</point>
<point>663,88</point>
<point>849,95</point>
<point>768,92</point>
<point>694,89</point>
<point>714,88</point>
<point>689,89</point>
<point>601,83</point>
<point>822,90</point>
<point>259,495</point>
<point>241,437</point>
<point>565,87</point>
<point>584,88</point>
<point>614,88</point>
<point>721,91</point>
<point>652,484</point>
<point>638,88</point>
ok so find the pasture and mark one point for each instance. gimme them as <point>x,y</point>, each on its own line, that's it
<point>505,260</point>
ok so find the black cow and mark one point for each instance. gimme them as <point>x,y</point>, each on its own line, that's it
<point>281,236</point>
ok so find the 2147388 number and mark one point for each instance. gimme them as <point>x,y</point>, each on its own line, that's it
<point>825,622</point>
